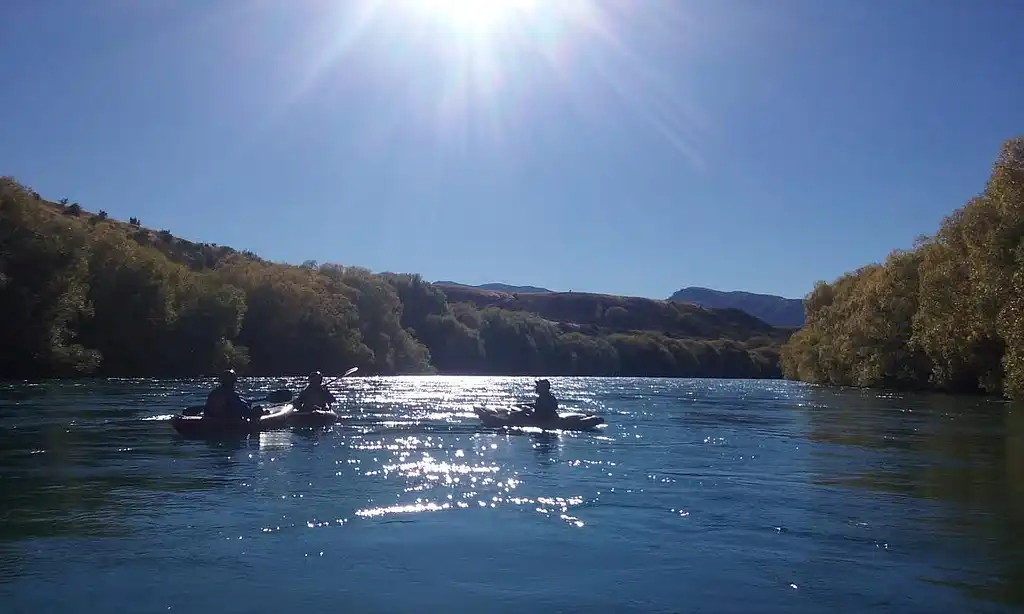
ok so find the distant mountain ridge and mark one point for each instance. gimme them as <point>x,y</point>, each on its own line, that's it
<point>498,287</point>
<point>769,308</point>
<point>775,310</point>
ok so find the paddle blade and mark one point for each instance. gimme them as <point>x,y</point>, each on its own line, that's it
<point>280,396</point>
<point>195,410</point>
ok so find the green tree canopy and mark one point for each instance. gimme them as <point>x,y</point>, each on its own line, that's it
<point>81,297</point>
<point>945,315</point>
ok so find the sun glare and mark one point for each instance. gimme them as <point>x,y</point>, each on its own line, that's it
<point>475,16</point>
<point>476,73</point>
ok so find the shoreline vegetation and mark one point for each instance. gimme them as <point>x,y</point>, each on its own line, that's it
<point>946,315</point>
<point>84,295</point>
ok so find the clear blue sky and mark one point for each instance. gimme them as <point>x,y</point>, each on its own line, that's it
<point>622,146</point>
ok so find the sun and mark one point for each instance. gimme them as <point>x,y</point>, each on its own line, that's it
<point>476,16</point>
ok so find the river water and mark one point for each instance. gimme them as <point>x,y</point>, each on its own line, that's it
<point>699,496</point>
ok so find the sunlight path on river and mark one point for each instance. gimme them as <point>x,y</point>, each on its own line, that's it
<point>712,493</point>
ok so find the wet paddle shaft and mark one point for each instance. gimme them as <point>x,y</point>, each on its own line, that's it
<point>345,374</point>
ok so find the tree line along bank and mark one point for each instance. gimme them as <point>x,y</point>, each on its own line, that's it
<point>83,294</point>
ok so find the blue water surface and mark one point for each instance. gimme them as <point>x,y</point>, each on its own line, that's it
<point>698,496</point>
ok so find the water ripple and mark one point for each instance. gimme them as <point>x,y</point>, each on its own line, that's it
<point>717,494</point>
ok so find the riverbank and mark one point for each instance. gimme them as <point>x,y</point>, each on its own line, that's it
<point>84,294</point>
<point>947,315</point>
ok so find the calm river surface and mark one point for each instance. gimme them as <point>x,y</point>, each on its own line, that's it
<point>699,496</point>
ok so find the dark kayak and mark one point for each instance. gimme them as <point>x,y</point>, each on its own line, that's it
<point>198,427</point>
<point>510,418</point>
<point>315,418</point>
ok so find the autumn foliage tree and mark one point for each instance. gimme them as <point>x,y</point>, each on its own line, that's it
<point>79,298</point>
<point>945,315</point>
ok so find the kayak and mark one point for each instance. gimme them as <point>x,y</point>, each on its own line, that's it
<point>315,418</point>
<point>198,427</point>
<point>571,421</point>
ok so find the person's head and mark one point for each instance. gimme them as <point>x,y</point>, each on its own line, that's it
<point>542,386</point>
<point>228,378</point>
<point>316,378</point>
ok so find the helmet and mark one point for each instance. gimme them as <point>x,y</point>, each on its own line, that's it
<point>316,377</point>
<point>228,377</point>
<point>543,384</point>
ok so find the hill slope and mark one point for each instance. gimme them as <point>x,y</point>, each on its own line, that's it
<point>609,313</point>
<point>775,310</point>
<point>499,287</point>
<point>83,294</point>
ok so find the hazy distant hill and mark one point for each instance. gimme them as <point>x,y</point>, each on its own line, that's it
<point>775,310</point>
<point>497,287</point>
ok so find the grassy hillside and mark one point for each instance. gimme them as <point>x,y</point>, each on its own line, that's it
<point>603,313</point>
<point>947,315</point>
<point>83,294</point>
<point>499,287</point>
<point>775,310</point>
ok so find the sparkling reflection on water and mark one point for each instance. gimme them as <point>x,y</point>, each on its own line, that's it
<point>699,495</point>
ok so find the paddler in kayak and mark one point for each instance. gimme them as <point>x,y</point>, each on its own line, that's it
<point>546,405</point>
<point>315,395</point>
<point>224,404</point>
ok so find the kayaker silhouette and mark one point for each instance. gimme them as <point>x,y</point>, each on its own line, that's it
<point>224,404</point>
<point>315,395</point>
<point>545,407</point>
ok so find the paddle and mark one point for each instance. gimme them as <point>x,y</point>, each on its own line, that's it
<point>278,396</point>
<point>345,374</point>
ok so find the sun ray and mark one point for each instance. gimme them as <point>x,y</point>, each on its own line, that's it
<point>475,17</point>
<point>471,75</point>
